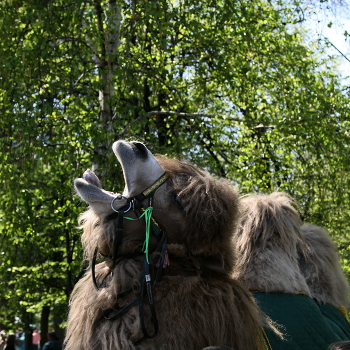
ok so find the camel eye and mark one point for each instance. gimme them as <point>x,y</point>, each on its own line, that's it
<point>176,200</point>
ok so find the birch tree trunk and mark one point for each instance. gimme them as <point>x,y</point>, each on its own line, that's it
<point>106,58</point>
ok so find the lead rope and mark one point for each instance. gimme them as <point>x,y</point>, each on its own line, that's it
<point>147,213</point>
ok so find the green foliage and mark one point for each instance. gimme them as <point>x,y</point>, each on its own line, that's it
<point>229,85</point>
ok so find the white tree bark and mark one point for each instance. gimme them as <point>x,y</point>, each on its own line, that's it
<point>105,54</point>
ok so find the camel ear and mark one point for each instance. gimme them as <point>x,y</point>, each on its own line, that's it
<point>214,262</point>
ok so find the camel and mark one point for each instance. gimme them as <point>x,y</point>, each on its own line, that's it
<point>320,265</point>
<point>267,237</point>
<point>165,280</point>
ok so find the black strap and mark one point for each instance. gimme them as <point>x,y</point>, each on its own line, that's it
<point>140,197</point>
<point>93,264</point>
<point>149,289</point>
<point>118,237</point>
<point>122,312</point>
<point>146,291</point>
<point>117,240</point>
<point>162,244</point>
<point>146,281</point>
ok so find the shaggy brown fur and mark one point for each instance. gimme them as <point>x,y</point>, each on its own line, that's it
<point>266,243</point>
<point>321,267</point>
<point>198,304</point>
<point>210,209</point>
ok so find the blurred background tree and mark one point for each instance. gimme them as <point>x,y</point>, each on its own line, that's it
<point>234,86</point>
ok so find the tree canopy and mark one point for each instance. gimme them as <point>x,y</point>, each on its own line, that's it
<point>231,86</point>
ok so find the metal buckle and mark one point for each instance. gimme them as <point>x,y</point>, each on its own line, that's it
<point>119,197</point>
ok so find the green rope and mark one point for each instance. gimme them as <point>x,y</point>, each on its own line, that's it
<point>148,215</point>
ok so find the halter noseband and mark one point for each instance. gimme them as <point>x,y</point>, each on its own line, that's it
<point>151,226</point>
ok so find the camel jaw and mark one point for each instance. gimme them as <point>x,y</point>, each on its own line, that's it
<point>89,190</point>
<point>140,168</point>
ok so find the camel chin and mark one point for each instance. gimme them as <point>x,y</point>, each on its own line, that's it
<point>98,199</point>
<point>140,168</point>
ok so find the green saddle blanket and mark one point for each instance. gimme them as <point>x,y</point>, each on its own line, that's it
<point>336,321</point>
<point>300,319</point>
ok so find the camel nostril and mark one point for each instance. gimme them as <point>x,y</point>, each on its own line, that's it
<point>139,149</point>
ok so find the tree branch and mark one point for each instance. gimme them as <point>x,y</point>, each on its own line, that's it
<point>182,114</point>
<point>207,115</point>
<point>99,15</point>
<point>329,42</point>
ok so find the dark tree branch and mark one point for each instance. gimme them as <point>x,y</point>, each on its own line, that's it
<point>182,114</point>
<point>99,13</point>
<point>208,115</point>
<point>330,43</point>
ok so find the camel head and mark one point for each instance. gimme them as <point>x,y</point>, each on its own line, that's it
<point>196,211</point>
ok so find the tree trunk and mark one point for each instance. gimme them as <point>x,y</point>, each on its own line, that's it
<point>44,325</point>
<point>57,321</point>
<point>28,328</point>
<point>106,62</point>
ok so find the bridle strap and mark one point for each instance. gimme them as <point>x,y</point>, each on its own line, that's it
<point>122,312</point>
<point>150,190</point>
<point>146,290</point>
<point>93,264</point>
<point>161,247</point>
<point>118,237</point>
<point>146,282</point>
<point>117,240</point>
